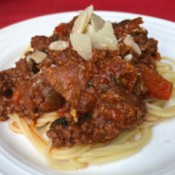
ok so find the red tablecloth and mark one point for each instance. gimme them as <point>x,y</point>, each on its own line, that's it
<point>12,11</point>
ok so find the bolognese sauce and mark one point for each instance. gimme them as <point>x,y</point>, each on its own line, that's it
<point>96,99</point>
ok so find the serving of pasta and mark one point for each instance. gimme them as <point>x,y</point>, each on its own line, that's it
<point>90,93</point>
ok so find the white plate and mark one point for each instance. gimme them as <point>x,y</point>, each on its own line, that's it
<point>17,154</point>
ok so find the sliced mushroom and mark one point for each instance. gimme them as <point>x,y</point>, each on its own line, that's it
<point>131,43</point>
<point>58,45</point>
<point>96,24</point>
<point>128,57</point>
<point>82,44</point>
<point>104,38</point>
<point>82,20</point>
<point>37,56</point>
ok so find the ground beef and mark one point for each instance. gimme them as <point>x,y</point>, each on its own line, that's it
<point>147,45</point>
<point>87,132</point>
<point>36,95</point>
<point>40,42</point>
<point>102,87</point>
<point>24,90</point>
<point>63,30</point>
<point>96,99</point>
<point>112,114</point>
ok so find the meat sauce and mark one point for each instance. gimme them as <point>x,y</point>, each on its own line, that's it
<point>96,99</point>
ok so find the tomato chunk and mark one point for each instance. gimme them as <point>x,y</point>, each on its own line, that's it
<point>157,86</point>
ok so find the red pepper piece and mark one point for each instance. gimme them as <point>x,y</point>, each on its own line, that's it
<point>157,86</point>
